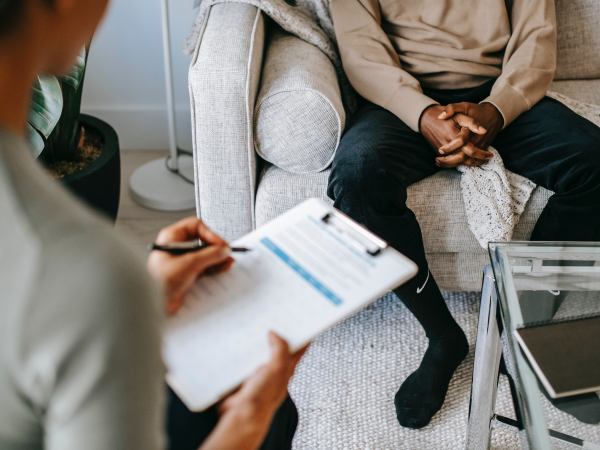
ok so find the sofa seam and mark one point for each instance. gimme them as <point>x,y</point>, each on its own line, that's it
<point>250,121</point>
<point>193,64</point>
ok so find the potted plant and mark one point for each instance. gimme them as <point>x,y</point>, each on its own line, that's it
<point>80,150</point>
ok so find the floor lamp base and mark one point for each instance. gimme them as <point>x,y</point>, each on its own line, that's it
<point>154,186</point>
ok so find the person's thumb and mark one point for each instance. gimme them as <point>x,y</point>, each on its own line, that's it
<point>447,113</point>
<point>468,122</point>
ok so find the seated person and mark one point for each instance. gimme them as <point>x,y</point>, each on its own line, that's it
<point>443,80</point>
<point>80,319</point>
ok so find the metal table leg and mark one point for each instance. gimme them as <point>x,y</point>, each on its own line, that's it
<point>488,352</point>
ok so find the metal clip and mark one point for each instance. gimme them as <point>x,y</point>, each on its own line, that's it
<point>359,236</point>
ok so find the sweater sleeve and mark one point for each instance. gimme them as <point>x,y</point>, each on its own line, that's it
<point>529,60</point>
<point>371,62</point>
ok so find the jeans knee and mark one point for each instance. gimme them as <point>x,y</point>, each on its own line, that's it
<point>365,185</point>
<point>354,173</point>
<point>583,173</point>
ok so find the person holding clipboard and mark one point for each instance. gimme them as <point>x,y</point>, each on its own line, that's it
<point>249,411</point>
<point>80,319</point>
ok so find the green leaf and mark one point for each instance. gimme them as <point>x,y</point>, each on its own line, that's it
<point>46,106</point>
<point>36,142</point>
<point>74,78</point>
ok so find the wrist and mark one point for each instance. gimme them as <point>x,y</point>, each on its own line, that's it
<point>251,416</point>
<point>239,428</point>
<point>496,112</point>
<point>424,116</point>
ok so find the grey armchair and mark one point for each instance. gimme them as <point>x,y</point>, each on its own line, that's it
<point>267,117</point>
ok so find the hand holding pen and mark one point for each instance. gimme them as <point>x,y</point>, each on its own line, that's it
<point>182,248</point>
<point>177,267</point>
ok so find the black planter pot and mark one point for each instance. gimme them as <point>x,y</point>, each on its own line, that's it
<point>99,185</point>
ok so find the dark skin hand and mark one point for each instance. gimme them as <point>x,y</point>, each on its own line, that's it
<point>483,115</point>
<point>453,138</point>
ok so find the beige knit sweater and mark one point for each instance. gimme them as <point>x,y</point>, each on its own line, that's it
<point>391,48</point>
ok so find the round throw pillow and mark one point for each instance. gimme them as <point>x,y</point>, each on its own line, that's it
<point>299,115</point>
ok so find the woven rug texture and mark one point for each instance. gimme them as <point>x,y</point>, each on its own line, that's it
<point>344,387</point>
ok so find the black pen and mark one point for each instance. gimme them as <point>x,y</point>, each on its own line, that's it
<point>181,248</point>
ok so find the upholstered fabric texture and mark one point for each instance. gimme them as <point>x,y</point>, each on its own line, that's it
<point>299,115</point>
<point>456,258</point>
<point>587,91</point>
<point>578,39</point>
<point>224,85</point>
<point>223,88</point>
<point>344,387</point>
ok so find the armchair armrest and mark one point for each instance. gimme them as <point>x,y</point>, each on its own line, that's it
<point>223,79</point>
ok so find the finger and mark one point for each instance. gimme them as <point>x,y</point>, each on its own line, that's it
<point>482,142</point>
<point>176,299</point>
<point>270,382</point>
<point>275,372</point>
<point>221,268</point>
<point>281,360</point>
<point>181,231</point>
<point>198,262</point>
<point>473,152</point>
<point>296,357</point>
<point>453,160</point>
<point>183,271</point>
<point>470,162</point>
<point>469,122</point>
<point>452,109</point>
<point>457,143</point>
<point>280,351</point>
<point>188,229</point>
<point>174,304</point>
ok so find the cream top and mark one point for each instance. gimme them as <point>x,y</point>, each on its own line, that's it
<point>392,48</point>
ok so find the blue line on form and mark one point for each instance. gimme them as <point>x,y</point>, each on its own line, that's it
<point>287,259</point>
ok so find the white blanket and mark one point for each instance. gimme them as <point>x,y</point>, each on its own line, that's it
<point>494,197</point>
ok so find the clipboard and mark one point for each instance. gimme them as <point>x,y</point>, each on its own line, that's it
<point>308,270</point>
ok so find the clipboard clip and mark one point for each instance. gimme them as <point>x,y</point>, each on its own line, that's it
<point>359,236</point>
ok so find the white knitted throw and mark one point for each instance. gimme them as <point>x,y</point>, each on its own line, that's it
<point>494,197</point>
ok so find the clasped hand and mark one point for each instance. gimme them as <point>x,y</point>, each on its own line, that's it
<point>461,132</point>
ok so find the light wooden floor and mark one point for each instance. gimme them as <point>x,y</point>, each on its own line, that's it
<point>140,224</point>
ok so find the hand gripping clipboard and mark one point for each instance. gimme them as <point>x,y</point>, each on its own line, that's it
<point>308,270</point>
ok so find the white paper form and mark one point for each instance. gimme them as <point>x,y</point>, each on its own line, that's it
<point>301,277</point>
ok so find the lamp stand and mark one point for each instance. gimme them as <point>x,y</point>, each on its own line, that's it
<point>166,184</point>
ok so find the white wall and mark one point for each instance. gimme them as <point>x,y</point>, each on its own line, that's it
<point>125,80</point>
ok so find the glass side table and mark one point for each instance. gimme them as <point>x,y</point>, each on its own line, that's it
<point>529,282</point>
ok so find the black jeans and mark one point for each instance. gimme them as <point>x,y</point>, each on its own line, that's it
<point>380,156</point>
<point>187,430</point>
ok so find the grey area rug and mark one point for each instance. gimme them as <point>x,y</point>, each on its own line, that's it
<point>344,387</point>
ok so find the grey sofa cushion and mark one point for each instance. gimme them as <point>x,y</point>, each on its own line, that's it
<point>299,116</point>
<point>578,39</point>
<point>458,271</point>
<point>279,190</point>
<point>587,91</point>
<point>438,205</point>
